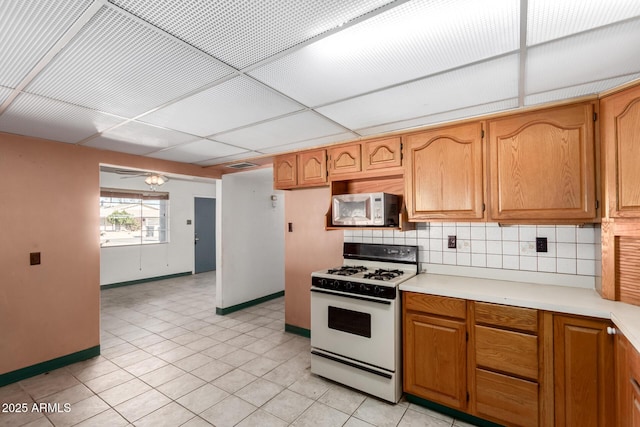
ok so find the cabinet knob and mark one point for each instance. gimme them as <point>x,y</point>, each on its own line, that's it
<point>611,331</point>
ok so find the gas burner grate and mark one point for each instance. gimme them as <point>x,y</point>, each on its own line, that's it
<point>347,270</point>
<point>382,274</point>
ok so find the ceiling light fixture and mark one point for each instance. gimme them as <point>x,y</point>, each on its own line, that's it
<point>154,181</point>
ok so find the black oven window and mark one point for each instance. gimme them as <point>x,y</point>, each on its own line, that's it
<point>349,321</point>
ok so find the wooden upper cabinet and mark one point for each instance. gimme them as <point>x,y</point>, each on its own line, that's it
<point>344,159</point>
<point>303,169</point>
<point>285,171</point>
<point>444,173</point>
<point>381,154</point>
<point>312,168</point>
<point>541,165</point>
<point>620,132</point>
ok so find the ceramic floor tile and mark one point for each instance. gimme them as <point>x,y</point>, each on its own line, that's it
<point>180,386</point>
<point>168,416</point>
<point>49,383</point>
<point>241,341</point>
<point>141,405</point>
<point>414,419</point>
<point>320,414</point>
<point>79,412</point>
<point>284,375</point>
<point>431,413</point>
<point>162,375</point>
<point>131,358</point>
<point>259,392</point>
<point>197,422</point>
<point>354,422</point>
<point>40,422</point>
<point>342,399</point>
<point>124,391</point>
<point>260,346</point>
<point>219,350</point>
<point>161,347</point>
<point>13,419</point>
<point>108,418</point>
<point>238,357</point>
<point>259,366</point>
<point>458,423</point>
<point>380,413</point>
<point>176,354</point>
<point>225,335</point>
<point>202,344</point>
<point>288,405</point>
<point>118,350</point>
<point>71,395</point>
<point>310,386</point>
<point>145,366</point>
<point>212,370</point>
<point>109,380</point>
<point>192,362</point>
<point>234,380</point>
<point>282,352</point>
<point>187,338</point>
<point>202,398</point>
<point>229,412</point>
<point>262,418</point>
<point>173,332</point>
<point>147,341</point>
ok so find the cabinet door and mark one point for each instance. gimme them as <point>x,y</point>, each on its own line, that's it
<point>584,372</point>
<point>380,154</point>
<point>636,405</point>
<point>344,159</point>
<point>623,386</point>
<point>620,130</point>
<point>312,168</point>
<point>435,359</point>
<point>443,173</point>
<point>542,165</point>
<point>285,171</point>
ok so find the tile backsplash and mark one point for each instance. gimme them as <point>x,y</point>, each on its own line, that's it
<point>571,250</point>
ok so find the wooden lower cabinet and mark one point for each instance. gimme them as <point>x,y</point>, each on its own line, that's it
<point>583,372</point>
<point>634,385</point>
<point>434,354</point>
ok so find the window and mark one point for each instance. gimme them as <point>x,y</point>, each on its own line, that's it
<point>133,218</point>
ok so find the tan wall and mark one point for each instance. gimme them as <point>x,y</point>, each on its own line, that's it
<point>308,248</point>
<point>49,194</point>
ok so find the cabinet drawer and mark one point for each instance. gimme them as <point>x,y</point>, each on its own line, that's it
<point>433,304</point>
<point>507,351</point>
<point>523,319</point>
<point>507,399</point>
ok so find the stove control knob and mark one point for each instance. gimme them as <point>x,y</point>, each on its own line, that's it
<point>364,287</point>
<point>378,290</point>
<point>348,286</point>
<point>334,284</point>
<point>323,283</point>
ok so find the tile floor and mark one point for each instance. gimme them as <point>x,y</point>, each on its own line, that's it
<point>168,360</point>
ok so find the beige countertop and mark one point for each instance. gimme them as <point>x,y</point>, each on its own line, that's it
<point>562,299</point>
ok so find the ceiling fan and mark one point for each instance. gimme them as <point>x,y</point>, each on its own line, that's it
<point>153,179</point>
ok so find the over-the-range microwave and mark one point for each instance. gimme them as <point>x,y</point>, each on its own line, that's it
<point>365,210</point>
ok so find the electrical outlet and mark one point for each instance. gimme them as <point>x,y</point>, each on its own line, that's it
<point>452,242</point>
<point>541,244</point>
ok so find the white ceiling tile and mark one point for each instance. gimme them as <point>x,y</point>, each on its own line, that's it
<point>341,137</point>
<point>242,33</point>
<point>118,65</point>
<point>448,116</point>
<point>482,83</point>
<point>219,160</point>
<point>40,117</point>
<point>28,29</point>
<point>234,103</point>
<point>579,90</point>
<point>596,55</point>
<point>293,128</point>
<point>552,19</point>
<point>4,94</point>
<point>404,43</point>
<point>197,151</point>
<point>138,138</point>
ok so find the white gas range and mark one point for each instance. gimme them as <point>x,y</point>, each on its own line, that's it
<point>356,318</point>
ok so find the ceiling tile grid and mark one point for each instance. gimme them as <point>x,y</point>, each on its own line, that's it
<point>39,117</point>
<point>608,52</point>
<point>4,94</point>
<point>316,142</point>
<point>28,30</point>
<point>552,19</point>
<point>293,128</point>
<point>478,84</point>
<point>138,138</point>
<point>237,102</point>
<point>197,151</point>
<point>226,159</point>
<point>242,33</point>
<point>402,44</point>
<point>121,66</point>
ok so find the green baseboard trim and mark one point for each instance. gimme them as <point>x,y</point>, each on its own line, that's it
<point>451,412</point>
<point>227,310</point>
<point>148,279</point>
<point>49,365</point>
<point>297,330</point>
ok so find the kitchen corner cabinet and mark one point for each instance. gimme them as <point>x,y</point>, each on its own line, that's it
<point>444,173</point>
<point>435,349</point>
<point>627,383</point>
<point>620,134</point>
<point>542,165</point>
<point>298,170</point>
<point>583,372</point>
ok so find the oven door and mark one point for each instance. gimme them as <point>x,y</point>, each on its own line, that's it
<point>354,326</point>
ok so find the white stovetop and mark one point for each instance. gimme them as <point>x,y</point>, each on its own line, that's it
<point>563,299</point>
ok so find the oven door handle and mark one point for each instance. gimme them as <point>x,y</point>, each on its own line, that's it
<point>358,297</point>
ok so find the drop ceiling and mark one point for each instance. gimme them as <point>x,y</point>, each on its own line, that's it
<point>208,82</point>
